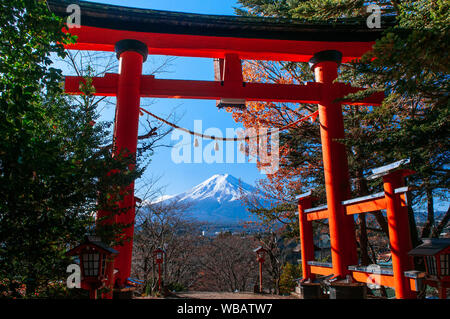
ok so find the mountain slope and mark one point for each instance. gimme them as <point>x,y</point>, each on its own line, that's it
<point>217,200</point>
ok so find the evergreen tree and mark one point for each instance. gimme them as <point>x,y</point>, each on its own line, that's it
<point>288,276</point>
<point>411,64</point>
<point>54,170</point>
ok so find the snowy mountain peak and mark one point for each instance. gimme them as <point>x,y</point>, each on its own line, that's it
<point>221,187</point>
<point>217,199</point>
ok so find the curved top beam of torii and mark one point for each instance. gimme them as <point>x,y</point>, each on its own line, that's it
<point>212,36</point>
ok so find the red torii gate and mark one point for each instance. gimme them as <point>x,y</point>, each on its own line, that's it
<point>135,33</point>
<point>394,200</point>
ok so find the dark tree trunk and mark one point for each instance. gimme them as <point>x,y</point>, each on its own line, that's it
<point>415,240</point>
<point>439,228</point>
<point>374,255</point>
<point>381,220</point>
<point>426,232</point>
<point>363,241</point>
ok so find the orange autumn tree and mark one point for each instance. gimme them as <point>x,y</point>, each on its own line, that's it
<point>280,187</point>
<point>300,156</point>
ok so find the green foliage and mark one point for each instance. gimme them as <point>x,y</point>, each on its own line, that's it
<point>317,11</point>
<point>53,163</point>
<point>264,7</point>
<point>410,64</point>
<point>289,274</point>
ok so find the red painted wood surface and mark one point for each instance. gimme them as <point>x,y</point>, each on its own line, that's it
<point>100,39</point>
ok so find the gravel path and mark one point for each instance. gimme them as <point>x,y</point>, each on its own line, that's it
<point>228,295</point>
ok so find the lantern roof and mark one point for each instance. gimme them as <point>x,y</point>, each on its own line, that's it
<point>260,248</point>
<point>92,241</point>
<point>431,247</point>
<point>159,249</point>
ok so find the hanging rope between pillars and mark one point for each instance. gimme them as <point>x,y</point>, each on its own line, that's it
<point>234,139</point>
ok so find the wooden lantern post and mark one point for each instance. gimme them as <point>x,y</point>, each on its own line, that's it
<point>96,264</point>
<point>260,257</point>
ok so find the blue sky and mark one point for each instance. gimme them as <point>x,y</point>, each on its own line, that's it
<point>180,177</point>
<point>192,6</point>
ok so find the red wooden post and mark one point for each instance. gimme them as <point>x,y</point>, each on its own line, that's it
<point>260,276</point>
<point>159,276</point>
<point>306,235</point>
<point>442,291</point>
<point>399,233</point>
<point>110,281</point>
<point>92,293</point>
<point>159,255</point>
<point>342,233</point>
<point>260,253</point>
<point>132,54</point>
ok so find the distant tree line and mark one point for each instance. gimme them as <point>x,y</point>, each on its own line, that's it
<point>225,262</point>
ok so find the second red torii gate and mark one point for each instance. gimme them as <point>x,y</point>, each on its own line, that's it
<point>394,200</point>
<point>134,33</point>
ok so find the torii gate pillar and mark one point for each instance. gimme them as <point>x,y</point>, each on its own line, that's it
<point>132,54</point>
<point>342,230</point>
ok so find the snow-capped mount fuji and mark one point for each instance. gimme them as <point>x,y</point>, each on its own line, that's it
<point>222,188</point>
<point>217,199</point>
